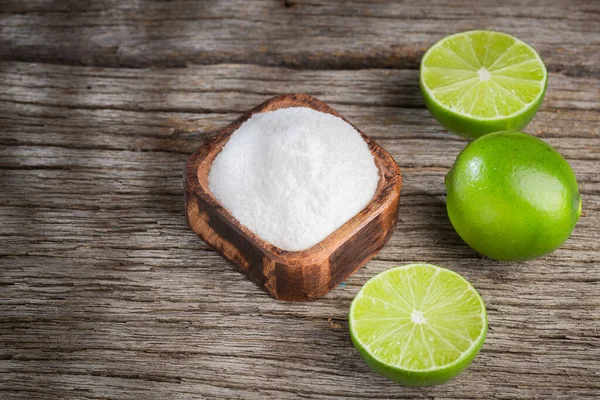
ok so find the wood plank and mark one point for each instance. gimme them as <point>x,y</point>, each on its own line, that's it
<point>106,293</point>
<point>313,34</point>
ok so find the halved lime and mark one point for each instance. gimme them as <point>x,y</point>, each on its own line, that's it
<point>418,324</point>
<point>479,82</point>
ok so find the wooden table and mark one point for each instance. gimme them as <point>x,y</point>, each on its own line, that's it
<point>105,293</point>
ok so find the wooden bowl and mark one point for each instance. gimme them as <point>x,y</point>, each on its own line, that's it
<point>292,275</point>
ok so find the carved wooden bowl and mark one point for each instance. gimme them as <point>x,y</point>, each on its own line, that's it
<point>292,275</point>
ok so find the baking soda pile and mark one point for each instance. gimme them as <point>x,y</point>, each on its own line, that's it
<point>294,175</point>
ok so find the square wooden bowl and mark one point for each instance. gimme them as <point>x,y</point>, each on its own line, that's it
<point>292,275</point>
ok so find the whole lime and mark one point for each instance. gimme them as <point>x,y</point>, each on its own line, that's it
<point>512,197</point>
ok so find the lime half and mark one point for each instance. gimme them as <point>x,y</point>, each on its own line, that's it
<point>418,324</point>
<point>479,82</point>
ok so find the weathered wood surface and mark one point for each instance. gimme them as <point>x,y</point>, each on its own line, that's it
<point>297,33</point>
<point>105,293</point>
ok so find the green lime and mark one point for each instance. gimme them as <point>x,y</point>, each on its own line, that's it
<point>418,324</point>
<point>512,197</point>
<point>479,82</point>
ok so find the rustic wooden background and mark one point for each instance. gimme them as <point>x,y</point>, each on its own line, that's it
<point>106,294</point>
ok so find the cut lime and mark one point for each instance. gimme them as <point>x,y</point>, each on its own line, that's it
<point>479,82</point>
<point>418,324</point>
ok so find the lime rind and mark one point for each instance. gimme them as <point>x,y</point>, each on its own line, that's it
<point>380,320</point>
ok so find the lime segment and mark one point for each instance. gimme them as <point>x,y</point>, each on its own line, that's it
<point>479,82</point>
<point>418,324</point>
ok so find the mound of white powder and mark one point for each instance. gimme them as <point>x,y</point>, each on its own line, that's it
<point>294,175</point>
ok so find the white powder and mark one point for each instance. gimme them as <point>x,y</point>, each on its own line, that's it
<point>294,175</point>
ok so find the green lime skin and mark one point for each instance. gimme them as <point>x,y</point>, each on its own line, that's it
<point>512,197</point>
<point>419,378</point>
<point>472,128</point>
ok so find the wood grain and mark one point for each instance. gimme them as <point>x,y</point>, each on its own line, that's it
<point>313,34</point>
<point>292,275</point>
<point>105,293</point>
